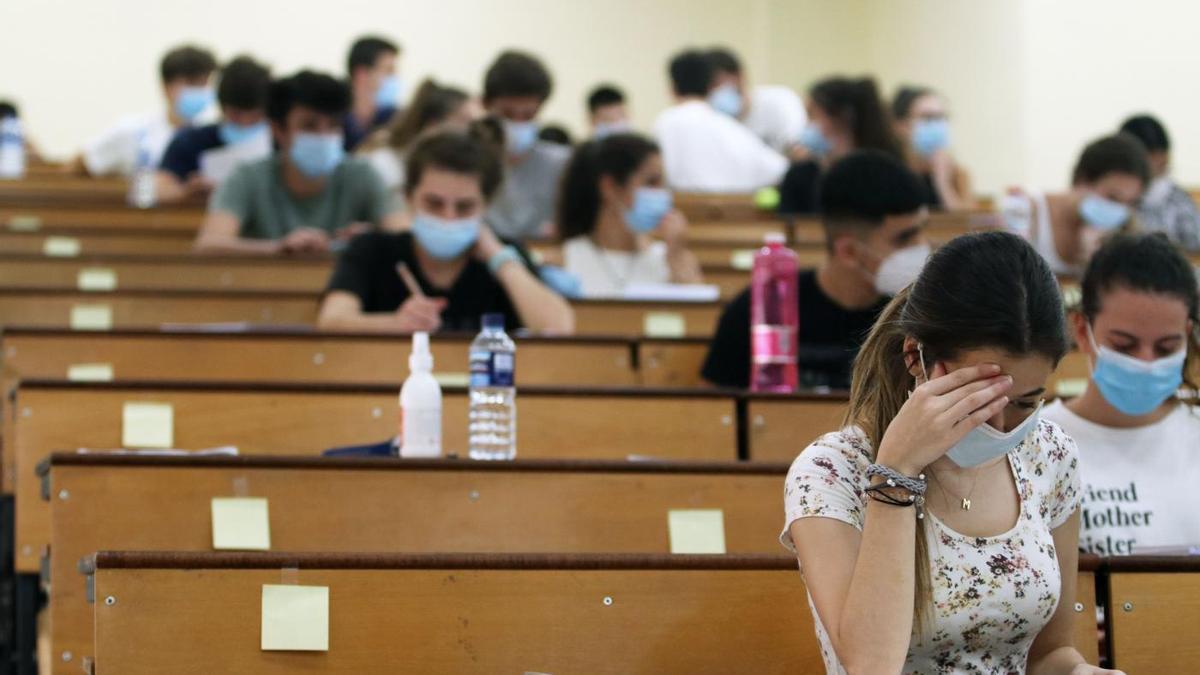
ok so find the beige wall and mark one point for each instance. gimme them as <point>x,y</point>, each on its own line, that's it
<point>1029,81</point>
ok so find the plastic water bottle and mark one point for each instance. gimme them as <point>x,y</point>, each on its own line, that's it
<point>420,404</point>
<point>141,185</point>
<point>12,148</point>
<point>492,433</point>
<point>774,317</point>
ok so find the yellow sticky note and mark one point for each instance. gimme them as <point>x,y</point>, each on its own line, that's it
<point>97,279</point>
<point>61,247</point>
<point>742,259</point>
<point>697,530</point>
<point>148,425</point>
<point>664,324</point>
<point>295,618</point>
<point>25,223</point>
<point>1071,387</point>
<point>452,379</point>
<point>241,524</point>
<point>90,372</point>
<point>91,317</point>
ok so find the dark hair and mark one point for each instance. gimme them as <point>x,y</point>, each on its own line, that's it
<point>618,156</point>
<point>605,94</point>
<point>724,60</point>
<point>365,52</point>
<point>187,61</point>
<point>475,152</point>
<point>431,104</point>
<point>855,101</point>
<point>515,73</point>
<point>1120,153</point>
<point>244,84</point>
<point>8,109</point>
<point>553,133</point>
<point>904,99</point>
<point>312,90</point>
<point>863,188</point>
<point>1146,263</point>
<point>691,73</point>
<point>988,289</point>
<point>1149,131</point>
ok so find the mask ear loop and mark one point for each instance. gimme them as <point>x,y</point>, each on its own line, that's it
<point>921,356</point>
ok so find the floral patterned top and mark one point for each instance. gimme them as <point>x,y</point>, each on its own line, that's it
<point>991,595</point>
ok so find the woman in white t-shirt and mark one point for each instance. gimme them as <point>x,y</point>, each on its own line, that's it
<point>1139,439</point>
<point>936,531</point>
<point>1109,179</point>
<point>612,202</point>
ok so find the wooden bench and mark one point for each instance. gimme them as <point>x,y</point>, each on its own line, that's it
<point>387,506</point>
<point>42,209</point>
<point>557,423</point>
<point>183,272</point>
<point>128,244</point>
<point>1153,613</point>
<point>459,614</point>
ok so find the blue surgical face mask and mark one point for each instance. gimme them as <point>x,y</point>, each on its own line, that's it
<point>649,207</point>
<point>726,99</point>
<point>1102,214</point>
<point>192,101</point>
<point>232,134</point>
<point>445,239</point>
<point>317,155</point>
<point>520,137</point>
<point>389,92</point>
<point>812,138</point>
<point>929,136</point>
<point>1134,386</point>
<point>985,443</point>
<point>605,129</point>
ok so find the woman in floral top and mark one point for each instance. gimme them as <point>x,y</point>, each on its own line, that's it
<point>948,389</point>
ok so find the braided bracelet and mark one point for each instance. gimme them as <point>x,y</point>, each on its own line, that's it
<point>894,478</point>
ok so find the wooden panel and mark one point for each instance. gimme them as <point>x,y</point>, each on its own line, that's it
<point>464,621</point>
<point>671,363</point>
<point>703,207</point>
<point>297,422</point>
<point>99,244</point>
<point>61,212</point>
<point>33,308</point>
<point>1157,634</point>
<point>1087,640</point>
<point>629,318</point>
<point>388,509</point>
<point>1072,370</point>
<point>178,273</point>
<point>781,428</point>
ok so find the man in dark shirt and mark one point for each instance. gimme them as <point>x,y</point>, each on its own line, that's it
<point>375,88</point>
<point>873,217</point>
<point>242,94</point>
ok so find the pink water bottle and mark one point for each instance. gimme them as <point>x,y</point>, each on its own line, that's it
<point>774,317</point>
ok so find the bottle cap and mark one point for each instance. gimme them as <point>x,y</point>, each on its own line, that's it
<point>420,359</point>
<point>774,238</point>
<point>493,321</point>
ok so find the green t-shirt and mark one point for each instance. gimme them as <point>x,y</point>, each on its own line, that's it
<point>256,195</point>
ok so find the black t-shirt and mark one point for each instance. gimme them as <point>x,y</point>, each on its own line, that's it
<point>931,198</point>
<point>798,193</point>
<point>182,156</point>
<point>829,339</point>
<point>367,268</point>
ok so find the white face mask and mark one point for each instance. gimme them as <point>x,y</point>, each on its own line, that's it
<point>901,268</point>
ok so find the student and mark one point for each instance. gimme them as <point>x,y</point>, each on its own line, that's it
<point>873,224</point>
<point>514,89</point>
<point>705,150</point>
<point>978,575</point>
<point>1137,439</point>
<point>307,194</point>
<point>375,87</point>
<point>844,114</point>
<point>1165,206</point>
<point>613,199</point>
<point>556,134</point>
<point>8,109</point>
<point>607,111</point>
<point>921,123</point>
<point>242,93</point>
<point>774,113</point>
<point>432,106</point>
<point>463,270</point>
<point>1110,177</point>
<point>185,73</point>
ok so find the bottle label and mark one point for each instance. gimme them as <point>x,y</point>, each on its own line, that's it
<point>773,344</point>
<point>421,432</point>
<point>492,369</point>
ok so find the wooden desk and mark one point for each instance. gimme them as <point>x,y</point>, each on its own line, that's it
<point>388,506</point>
<point>628,317</point>
<point>183,272</point>
<point>151,308</point>
<point>779,426</point>
<point>671,362</point>
<point>129,244</point>
<point>1153,613</point>
<point>460,614</point>
<point>1085,608</point>
<point>58,210</point>
<point>560,423</point>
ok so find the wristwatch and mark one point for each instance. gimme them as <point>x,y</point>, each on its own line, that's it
<point>503,257</point>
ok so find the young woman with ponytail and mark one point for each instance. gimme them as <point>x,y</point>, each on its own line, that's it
<point>936,532</point>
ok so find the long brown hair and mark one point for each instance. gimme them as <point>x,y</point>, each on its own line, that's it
<point>978,291</point>
<point>432,103</point>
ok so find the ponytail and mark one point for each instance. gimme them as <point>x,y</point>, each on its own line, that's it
<point>856,103</point>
